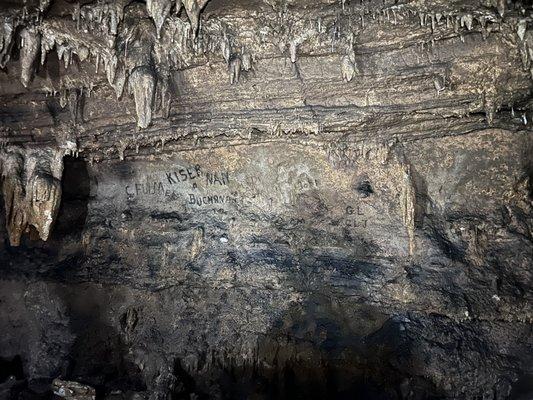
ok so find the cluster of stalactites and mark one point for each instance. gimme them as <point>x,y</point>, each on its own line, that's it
<point>31,187</point>
<point>136,65</point>
<point>525,48</point>
<point>128,53</point>
<point>139,50</point>
<point>159,11</point>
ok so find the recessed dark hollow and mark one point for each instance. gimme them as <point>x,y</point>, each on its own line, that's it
<point>75,186</point>
<point>365,188</point>
<point>11,368</point>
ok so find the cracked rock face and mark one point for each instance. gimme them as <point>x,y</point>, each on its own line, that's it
<point>266,199</point>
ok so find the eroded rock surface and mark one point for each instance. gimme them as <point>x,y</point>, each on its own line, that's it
<point>266,199</point>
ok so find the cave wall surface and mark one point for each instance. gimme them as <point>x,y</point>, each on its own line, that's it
<point>266,268</point>
<point>267,199</point>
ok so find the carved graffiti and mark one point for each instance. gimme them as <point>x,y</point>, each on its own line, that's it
<point>169,187</point>
<point>355,217</point>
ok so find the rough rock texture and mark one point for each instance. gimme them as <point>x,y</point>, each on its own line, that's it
<point>266,199</point>
<point>73,390</point>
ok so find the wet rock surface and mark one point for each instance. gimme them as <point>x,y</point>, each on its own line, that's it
<point>266,199</point>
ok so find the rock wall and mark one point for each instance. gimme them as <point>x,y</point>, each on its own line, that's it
<point>287,270</point>
<point>266,199</point>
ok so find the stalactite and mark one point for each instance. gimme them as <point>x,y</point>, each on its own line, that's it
<point>159,10</point>
<point>31,185</point>
<point>120,80</point>
<point>164,97</point>
<point>44,4</point>
<point>75,103</point>
<point>142,83</point>
<point>408,204</point>
<point>123,46</point>
<point>31,44</point>
<point>489,105</point>
<point>365,181</point>
<point>235,69</point>
<point>193,9</point>
<point>13,190</point>
<point>7,30</point>
<point>348,66</point>
<point>197,243</point>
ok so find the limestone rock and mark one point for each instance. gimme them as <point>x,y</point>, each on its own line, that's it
<point>31,185</point>
<point>266,199</point>
<point>73,390</point>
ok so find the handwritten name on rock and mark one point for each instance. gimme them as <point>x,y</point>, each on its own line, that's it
<point>176,184</point>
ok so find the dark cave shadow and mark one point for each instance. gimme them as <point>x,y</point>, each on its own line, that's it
<point>11,367</point>
<point>317,349</point>
<point>310,357</point>
<point>98,355</point>
<point>73,209</point>
<point>328,346</point>
<point>326,364</point>
<point>529,168</point>
<point>333,344</point>
<point>523,388</point>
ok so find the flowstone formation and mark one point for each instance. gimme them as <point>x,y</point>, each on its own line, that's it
<point>264,199</point>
